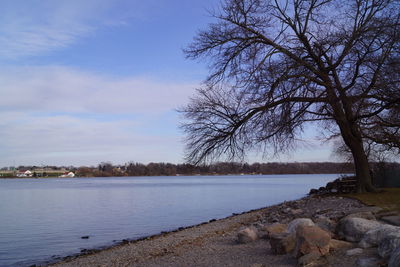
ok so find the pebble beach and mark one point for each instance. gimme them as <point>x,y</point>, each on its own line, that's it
<point>216,243</point>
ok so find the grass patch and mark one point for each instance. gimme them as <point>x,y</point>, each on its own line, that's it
<point>388,199</point>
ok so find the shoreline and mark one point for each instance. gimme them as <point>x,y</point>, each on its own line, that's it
<point>127,241</point>
<point>190,246</point>
<point>193,175</point>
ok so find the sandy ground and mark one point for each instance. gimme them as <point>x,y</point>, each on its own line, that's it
<point>214,243</point>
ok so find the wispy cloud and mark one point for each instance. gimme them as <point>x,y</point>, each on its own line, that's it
<point>61,89</point>
<point>35,27</point>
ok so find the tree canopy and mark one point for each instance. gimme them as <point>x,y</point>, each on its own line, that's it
<point>278,65</point>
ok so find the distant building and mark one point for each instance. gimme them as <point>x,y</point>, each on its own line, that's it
<point>26,173</point>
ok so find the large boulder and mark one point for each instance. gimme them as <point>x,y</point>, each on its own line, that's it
<point>394,260</point>
<point>311,239</point>
<point>375,236</point>
<point>246,235</point>
<point>275,228</point>
<point>293,225</point>
<point>282,243</point>
<point>353,229</point>
<point>389,244</point>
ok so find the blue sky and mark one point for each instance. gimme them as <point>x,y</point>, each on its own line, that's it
<point>99,80</point>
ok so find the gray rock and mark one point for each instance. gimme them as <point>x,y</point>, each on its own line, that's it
<point>353,229</point>
<point>389,244</point>
<point>326,224</point>
<point>395,258</point>
<point>369,262</point>
<point>354,251</point>
<point>395,220</point>
<point>373,209</point>
<point>293,225</point>
<point>365,215</point>
<point>247,235</point>
<point>375,236</point>
<point>297,211</point>
<point>287,210</point>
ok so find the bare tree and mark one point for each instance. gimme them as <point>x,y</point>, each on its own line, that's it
<point>277,65</point>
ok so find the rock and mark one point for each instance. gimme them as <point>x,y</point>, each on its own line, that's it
<point>372,209</point>
<point>257,265</point>
<point>297,211</point>
<point>247,235</point>
<point>292,227</point>
<point>282,243</point>
<point>85,237</point>
<point>276,228</point>
<point>275,220</point>
<point>389,244</point>
<point>335,244</point>
<point>326,224</point>
<point>375,236</point>
<point>369,262</point>
<point>354,251</point>
<point>310,239</point>
<point>287,210</point>
<point>394,260</point>
<point>313,191</point>
<point>308,258</point>
<point>353,229</point>
<point>365,215</point>
<point>394,220</point>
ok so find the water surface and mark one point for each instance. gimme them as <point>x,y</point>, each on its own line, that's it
<point>41,219</point>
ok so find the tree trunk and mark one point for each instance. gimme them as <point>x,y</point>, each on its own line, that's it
<point>363,173</point>
<point>352,138</point>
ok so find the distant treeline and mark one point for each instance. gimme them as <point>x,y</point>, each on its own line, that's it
<point>107,169</point>
<point>220,168</point>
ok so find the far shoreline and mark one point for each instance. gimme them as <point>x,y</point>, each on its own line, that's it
<point>188,175</point>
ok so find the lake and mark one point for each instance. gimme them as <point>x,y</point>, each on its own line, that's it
<point>43,219</point>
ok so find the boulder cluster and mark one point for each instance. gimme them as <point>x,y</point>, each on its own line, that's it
<point>342,185</point>
<point>310,238</point>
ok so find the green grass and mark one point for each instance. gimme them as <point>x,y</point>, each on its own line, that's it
<point>388,198</point>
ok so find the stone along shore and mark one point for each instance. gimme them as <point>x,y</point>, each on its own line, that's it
<point>313,231</point>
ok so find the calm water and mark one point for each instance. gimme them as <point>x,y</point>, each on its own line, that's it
<point>41,219</point>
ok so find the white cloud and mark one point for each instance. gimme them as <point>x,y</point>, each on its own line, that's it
<point>60,89</point>
<point>58,115</point>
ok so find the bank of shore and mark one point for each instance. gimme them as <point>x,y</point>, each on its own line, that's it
<point>215,243</point>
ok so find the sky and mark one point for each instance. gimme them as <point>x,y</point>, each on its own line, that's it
<point>84,82</point>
